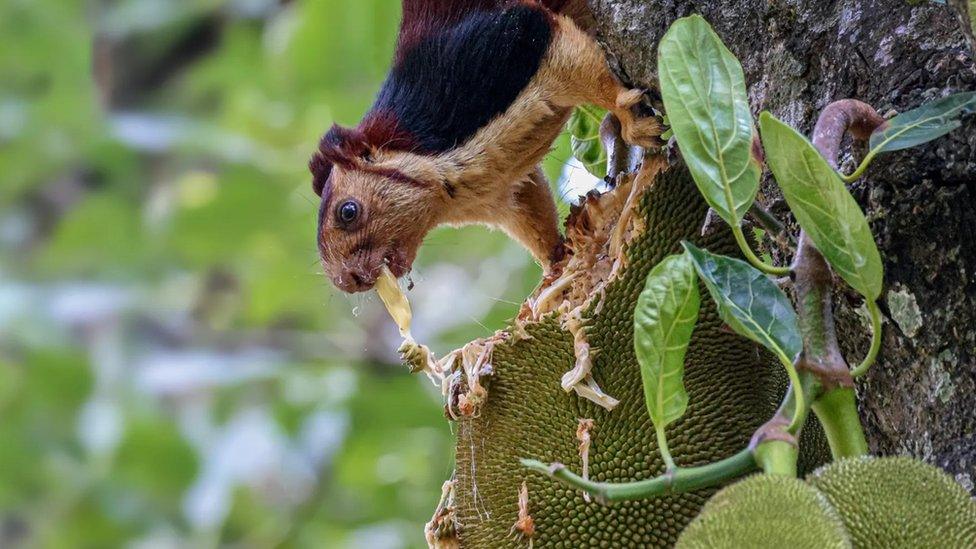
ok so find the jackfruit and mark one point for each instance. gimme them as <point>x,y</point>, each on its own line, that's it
<point>766,511</point>
<point>896,502</point>
<point>734,386</point>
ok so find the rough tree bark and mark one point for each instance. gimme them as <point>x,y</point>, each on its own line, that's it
<point>919,399</point>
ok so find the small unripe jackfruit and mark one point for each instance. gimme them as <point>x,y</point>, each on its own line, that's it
<point>766,511</point>
<point>897,502</point>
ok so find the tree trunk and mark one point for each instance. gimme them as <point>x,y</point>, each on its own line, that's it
<point>919,399</point>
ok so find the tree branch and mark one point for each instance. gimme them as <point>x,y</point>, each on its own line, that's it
<point>836,409</point>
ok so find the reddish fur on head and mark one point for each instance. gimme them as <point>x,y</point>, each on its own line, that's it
<point>395,211</point>
<point>349,147</point>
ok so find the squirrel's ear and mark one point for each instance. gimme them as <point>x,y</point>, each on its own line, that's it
<point>321,169</point>
<point>340,144</point>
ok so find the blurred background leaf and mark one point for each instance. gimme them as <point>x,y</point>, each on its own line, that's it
<point>584,131</point>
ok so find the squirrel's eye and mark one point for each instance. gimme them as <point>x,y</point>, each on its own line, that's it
<point>348,212</point>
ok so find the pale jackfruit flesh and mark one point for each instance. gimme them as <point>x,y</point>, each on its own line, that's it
<point>895,502</point>
<point>415,355</point>
<point>766,511</point>
<point>395,300</point>
<point>733,385</point>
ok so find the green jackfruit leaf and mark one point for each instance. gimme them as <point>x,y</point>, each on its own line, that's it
<point>664,319</point>
<point>930,121</point>
<point>749,302</point>
<point>704,94</point>
<point>823,206</point>
<point>584,131</point>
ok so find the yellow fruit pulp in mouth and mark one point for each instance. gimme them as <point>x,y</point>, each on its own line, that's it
<point>395,300</point>
<point>417,356</point>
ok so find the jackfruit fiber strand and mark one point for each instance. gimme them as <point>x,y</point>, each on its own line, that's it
<point>395,301</point>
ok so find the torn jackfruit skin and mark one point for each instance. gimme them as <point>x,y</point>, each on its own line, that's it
<point>733,387</point>
<point>898,502</point>
<point>767,511</point>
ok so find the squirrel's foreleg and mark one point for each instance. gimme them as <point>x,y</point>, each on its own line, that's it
<point>533,221</point>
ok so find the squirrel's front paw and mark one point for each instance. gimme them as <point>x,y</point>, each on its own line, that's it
<point>643,131</point>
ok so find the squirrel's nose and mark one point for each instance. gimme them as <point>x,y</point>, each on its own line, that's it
<point>363,279</point>
<point>356,280</point>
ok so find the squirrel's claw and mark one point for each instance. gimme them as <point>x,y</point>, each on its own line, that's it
<point>628,98</point>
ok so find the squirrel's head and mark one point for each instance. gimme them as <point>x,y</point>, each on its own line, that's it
<point>376,207</point>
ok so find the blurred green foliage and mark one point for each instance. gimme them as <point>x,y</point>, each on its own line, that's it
<point>584,131</point>
<point>174,370</point>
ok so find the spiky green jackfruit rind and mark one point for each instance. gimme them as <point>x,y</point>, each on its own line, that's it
<point>733,387</point>
<point>766,511</point>
<point>894,502</point>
